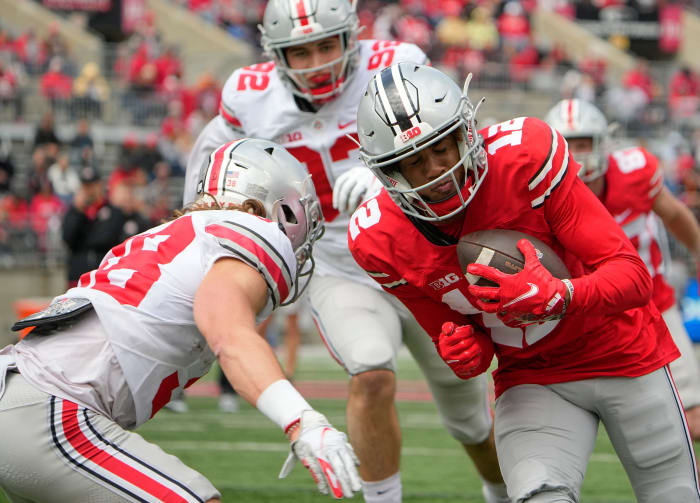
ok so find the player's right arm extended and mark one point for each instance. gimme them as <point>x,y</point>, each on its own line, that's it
<point>225,305</point>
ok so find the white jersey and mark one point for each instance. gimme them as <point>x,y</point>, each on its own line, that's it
<point>256,103</point>
<point>143,293</point>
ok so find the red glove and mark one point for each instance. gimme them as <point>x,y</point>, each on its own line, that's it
<point>531,296</point>
<point>466,351</point>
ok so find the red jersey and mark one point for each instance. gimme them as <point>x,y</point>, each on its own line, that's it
<point>611,327</point>
<point>633,181</point>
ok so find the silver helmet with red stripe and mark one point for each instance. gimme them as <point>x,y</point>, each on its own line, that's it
<point>265,171</point>
<point>575,118</point>
<point>288,23</point>
<point>406,109</point>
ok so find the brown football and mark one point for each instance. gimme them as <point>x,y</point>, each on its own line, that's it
<point>498,248</point>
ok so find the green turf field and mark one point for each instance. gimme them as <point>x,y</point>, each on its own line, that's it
<point>242,453</point>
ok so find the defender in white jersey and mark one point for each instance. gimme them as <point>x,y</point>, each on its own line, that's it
<point>306,99</point>
<point>629,182</point>
<point>151,320</point>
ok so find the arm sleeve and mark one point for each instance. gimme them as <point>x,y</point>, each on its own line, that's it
<point>618,280</point>
<point>215,133</point>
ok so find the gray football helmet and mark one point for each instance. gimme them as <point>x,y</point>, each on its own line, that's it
<point>405,109</point>
<point>260,169</point>
<point>293,22</point>
<point>576,118</point>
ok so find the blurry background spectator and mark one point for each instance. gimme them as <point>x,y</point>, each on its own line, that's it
<point>63,178</point>
<point>57,86</point>
<point>94,224</point>
<point>90,92</point>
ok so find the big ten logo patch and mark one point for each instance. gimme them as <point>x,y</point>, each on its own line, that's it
<point>293,136</point>
<point>407,135</point>
<point>444,282</point>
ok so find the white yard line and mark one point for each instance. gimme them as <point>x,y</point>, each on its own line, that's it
<point>185,445</point>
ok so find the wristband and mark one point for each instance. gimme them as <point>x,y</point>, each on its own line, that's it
<point>570,287</point>
<point>282,403</point>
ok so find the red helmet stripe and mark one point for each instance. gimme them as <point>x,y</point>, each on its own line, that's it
<point>217,166</point>
<point>301,12</point>
<point>570,114</point>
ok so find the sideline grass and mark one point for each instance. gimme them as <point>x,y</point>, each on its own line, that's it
<point>242,453</point>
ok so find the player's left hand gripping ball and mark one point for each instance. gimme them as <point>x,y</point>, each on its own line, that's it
<point>326,453</point>
<point>531,296</point>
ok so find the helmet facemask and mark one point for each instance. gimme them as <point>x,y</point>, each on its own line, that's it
<point>282,30</point>
<point>593,164</point>
<point>300,218</point>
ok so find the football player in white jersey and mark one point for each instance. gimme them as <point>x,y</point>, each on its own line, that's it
<point>151,320</point>
<point>306,99</point>
<point>629,182</point>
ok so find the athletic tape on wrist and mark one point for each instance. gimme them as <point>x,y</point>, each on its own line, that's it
<point>282,403</point>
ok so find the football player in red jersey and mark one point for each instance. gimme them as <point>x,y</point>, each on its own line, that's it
<point>630,183</point>
<point>306,99</point>
<point>571,353</point>
<point>152,319</point>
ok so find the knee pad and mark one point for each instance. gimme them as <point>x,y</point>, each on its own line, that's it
<point>464,409</point>
<point>375,356</point>
<point>530,481</point>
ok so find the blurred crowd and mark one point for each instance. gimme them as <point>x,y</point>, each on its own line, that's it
<point>142,82</point>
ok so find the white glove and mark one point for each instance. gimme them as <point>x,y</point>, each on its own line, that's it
<point>326,453</point>
<point>351,187</point>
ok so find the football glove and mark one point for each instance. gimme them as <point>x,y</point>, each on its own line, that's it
<point>326,453</point>
<point>351,187</point>
<point>467,352</point>
<point>530,296</point>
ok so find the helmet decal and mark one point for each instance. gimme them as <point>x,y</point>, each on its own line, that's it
<point>407,108</point>
<point>302,16</point>
<point>399,110</point>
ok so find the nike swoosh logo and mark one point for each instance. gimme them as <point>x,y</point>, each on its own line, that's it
<point>534,290</point>
<point>343,125</point>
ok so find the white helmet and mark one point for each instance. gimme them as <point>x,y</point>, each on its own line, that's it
<point>406,108</point>
<point>287,23</point>
<point>576,118</point>
<point>262,170</point>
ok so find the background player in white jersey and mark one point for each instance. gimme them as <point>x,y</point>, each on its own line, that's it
<point>630,184</point>
<point>162,306</point>
<point>306,99</point>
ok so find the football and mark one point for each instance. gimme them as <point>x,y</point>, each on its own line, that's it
<point>498,248</point>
